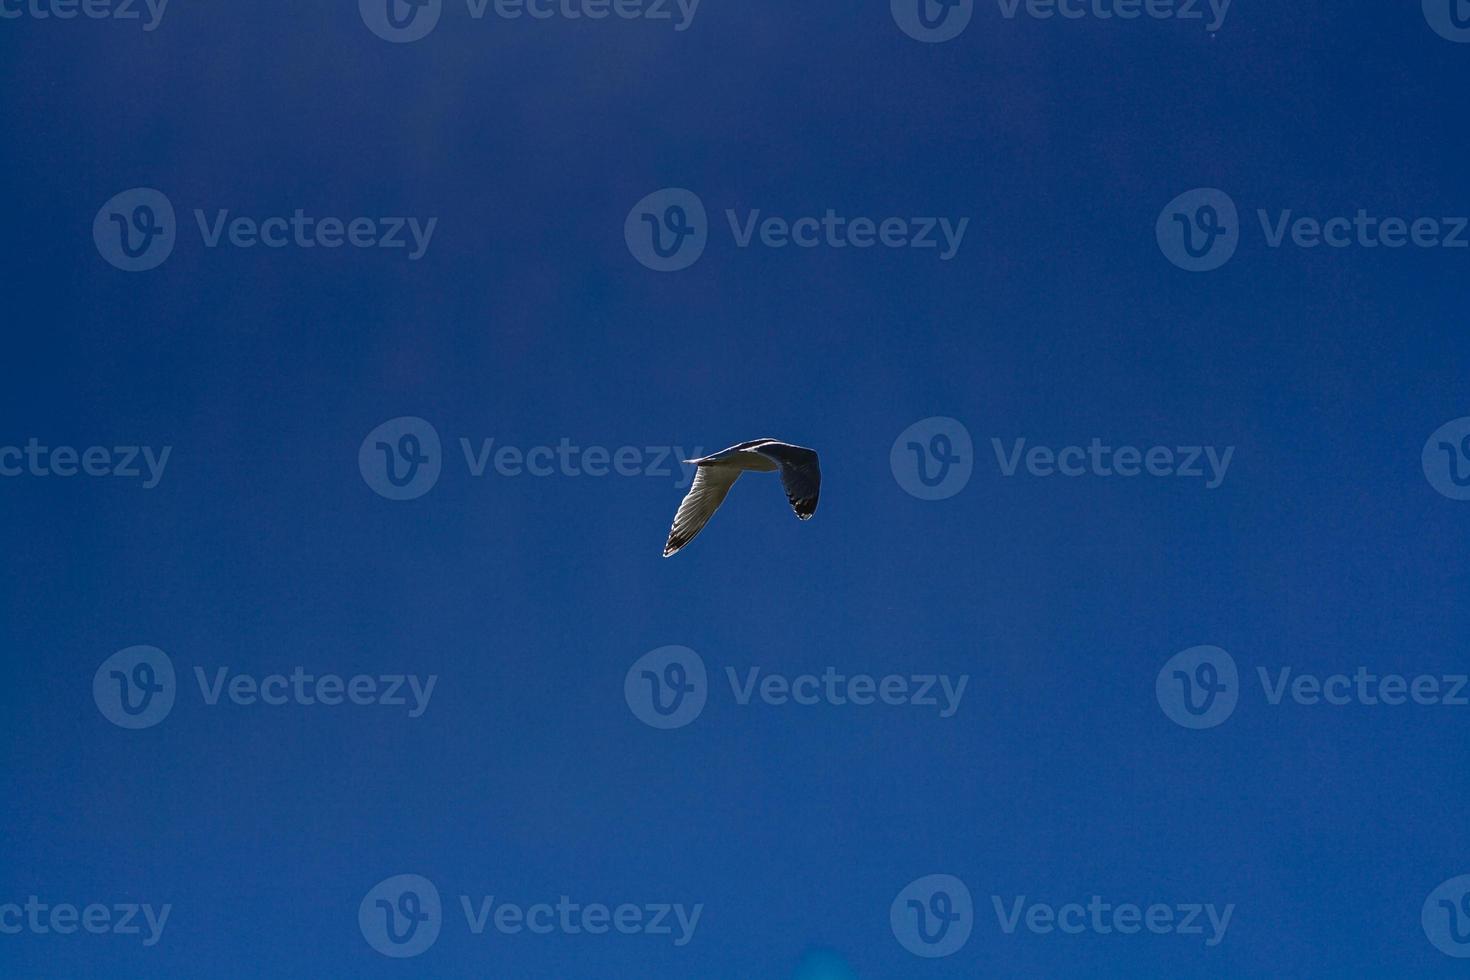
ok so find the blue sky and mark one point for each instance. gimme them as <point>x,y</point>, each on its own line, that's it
<point>265,543</point>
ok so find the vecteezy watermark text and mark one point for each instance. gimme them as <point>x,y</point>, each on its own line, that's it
<point>1103,918</point>
<point>137,230</point>
<point>403,458</point>
<point>1206,463</point>
<point>570,918</point>
<point>938,691</point>
<point>303,688</point>
<point>1200,230</point>
<point>402,916</point>
<point>1200,687</point>
<point>669,230</point>
<point>935,457</point>
<point>126,462</point>
<point>136,688</point>
<point>403,21</point>
<point>148,12</point>
<point>668,688</point>
<point>39,918</point>
<point>935,21</point>
<point>933,916</point>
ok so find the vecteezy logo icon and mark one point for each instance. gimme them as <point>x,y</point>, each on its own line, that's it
<point>401,916</point>
<point>667,688</point>
<point>401,458</point>
<point>1446,917</point>
<point>1449,18</point>
<point>1198,687</point>
<point>1199,230</point>
<point>135,230</point>
<point>1446,459</point>
<point>932,21</point>
<point>400,21</point>
<point>933,458</point>
<point>134,688</point>
<point>932,916</point>
<point>667,230</point>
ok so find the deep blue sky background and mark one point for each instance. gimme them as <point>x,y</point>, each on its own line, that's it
<point>528,321</point>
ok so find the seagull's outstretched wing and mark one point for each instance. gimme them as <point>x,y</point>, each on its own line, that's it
<point>801,476</point>
<point>705,495</point>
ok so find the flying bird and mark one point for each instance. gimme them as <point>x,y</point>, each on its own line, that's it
<point>800,476</point>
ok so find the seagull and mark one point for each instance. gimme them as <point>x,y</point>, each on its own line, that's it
<point>800,476</point>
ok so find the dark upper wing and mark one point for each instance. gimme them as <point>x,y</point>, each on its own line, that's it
<point>801,476</point>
